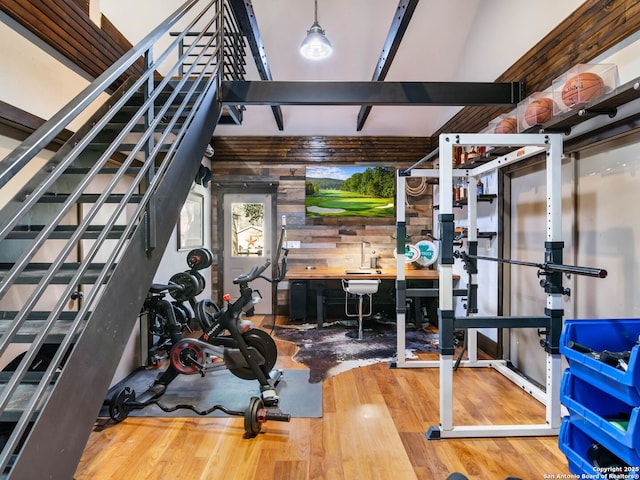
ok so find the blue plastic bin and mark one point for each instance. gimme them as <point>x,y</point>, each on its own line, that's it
<point>615,335</point>
<point>590,409</point>
<point>574,443</point>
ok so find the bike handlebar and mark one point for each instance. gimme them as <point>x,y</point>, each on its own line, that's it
<point>253,274</point>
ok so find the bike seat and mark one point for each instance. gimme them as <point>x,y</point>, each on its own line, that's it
<point>161,287</point>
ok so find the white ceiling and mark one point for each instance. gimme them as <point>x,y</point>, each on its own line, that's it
<point>447,40</point>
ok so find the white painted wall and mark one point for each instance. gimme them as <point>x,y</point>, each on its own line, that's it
<point>598,228</point>
<point>33,80</point>
<point>608,233</point>
<point>527,237</point>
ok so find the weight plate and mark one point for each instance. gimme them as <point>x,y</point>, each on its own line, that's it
<point>183,314</point>
<point>189,284</point>
<point>411,253</point>
<point>201,282</point>
<point>252,424</point>
<point>205,312</point>
<point>199,259</point>
<point>428,253</point>
<point>120,404</point>
<point>265,346</point>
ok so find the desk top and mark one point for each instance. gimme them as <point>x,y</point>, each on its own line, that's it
<point>319,273</point>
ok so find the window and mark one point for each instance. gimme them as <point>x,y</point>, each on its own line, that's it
<point>247,223</point>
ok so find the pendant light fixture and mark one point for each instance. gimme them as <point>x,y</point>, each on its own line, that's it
<point>316,45</point>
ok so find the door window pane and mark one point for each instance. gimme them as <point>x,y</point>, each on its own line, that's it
<point>247,221</point>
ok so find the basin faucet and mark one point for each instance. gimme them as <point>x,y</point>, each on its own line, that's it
<point>363,264</point>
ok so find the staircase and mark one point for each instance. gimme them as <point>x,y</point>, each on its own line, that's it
<point>82,231</point>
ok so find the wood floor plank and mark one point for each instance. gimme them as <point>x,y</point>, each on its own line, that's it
<point>373,427</point>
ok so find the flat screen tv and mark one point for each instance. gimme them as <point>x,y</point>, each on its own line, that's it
<point>349,191</point>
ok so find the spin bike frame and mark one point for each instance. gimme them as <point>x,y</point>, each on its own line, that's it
<point>188,355</point>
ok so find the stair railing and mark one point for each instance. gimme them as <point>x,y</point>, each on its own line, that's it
<point>158,128</point>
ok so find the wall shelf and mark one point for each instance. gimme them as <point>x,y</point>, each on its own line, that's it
<point>607,104</point>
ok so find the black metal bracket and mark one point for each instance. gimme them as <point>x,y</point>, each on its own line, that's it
<point>401,296</point>
<point>401,240</point>
<point>446,221</point>
<point>552,283</point>
<point>610,112</point>
<point>446,320</point>
<point>471,262</point>
<point>552,343</point>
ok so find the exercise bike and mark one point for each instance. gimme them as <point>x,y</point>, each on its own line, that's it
<point>168,320</point>
<point>228,342</point>
<point>248,353</point>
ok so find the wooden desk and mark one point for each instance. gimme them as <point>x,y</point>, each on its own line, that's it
<point>428,280</point>
<point>338,273</point>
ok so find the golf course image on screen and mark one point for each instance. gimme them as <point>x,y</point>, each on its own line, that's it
<point>349,191</point>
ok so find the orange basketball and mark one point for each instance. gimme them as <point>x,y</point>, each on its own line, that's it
<point>538,111</point>
<point>582,88</point>
<point>507,125</point>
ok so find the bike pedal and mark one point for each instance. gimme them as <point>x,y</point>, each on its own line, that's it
<point>275,376</point>
<point>245,326</point>
<point>270,398</point>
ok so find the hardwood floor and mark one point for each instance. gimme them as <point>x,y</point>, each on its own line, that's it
<point>373,427</point>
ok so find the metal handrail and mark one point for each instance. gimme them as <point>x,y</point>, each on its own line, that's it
<point>84,265</point>
<point>189,90</point>
<point>42,136</point>
<point>18,158</point>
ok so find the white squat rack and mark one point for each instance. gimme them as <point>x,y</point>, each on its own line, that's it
<point>524,146</point>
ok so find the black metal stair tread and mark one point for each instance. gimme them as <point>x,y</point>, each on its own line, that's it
<point>87,198</point>
<point>31,328</point>
<point>125,147</point>
<point>38,315</point>
<point>25,232</point>
<point>103,171</point>
<point>34,323</point>
<point>119,126</point>
<point>34,272</point>
<point>31,377</point>
<point>36,320</point>
<point>19,399</point>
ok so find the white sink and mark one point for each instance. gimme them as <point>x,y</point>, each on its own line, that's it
<point>357,272</point>
<point>360,287</point>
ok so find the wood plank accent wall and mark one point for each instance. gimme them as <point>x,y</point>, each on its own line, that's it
<point>319,149</point>
<point>323,242</point>
<point>66,26</point>
<point>593,28</point>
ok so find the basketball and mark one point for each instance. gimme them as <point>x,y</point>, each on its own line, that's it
<point>507,125</point>
<point>582,88</point>
<point>538,111</point>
